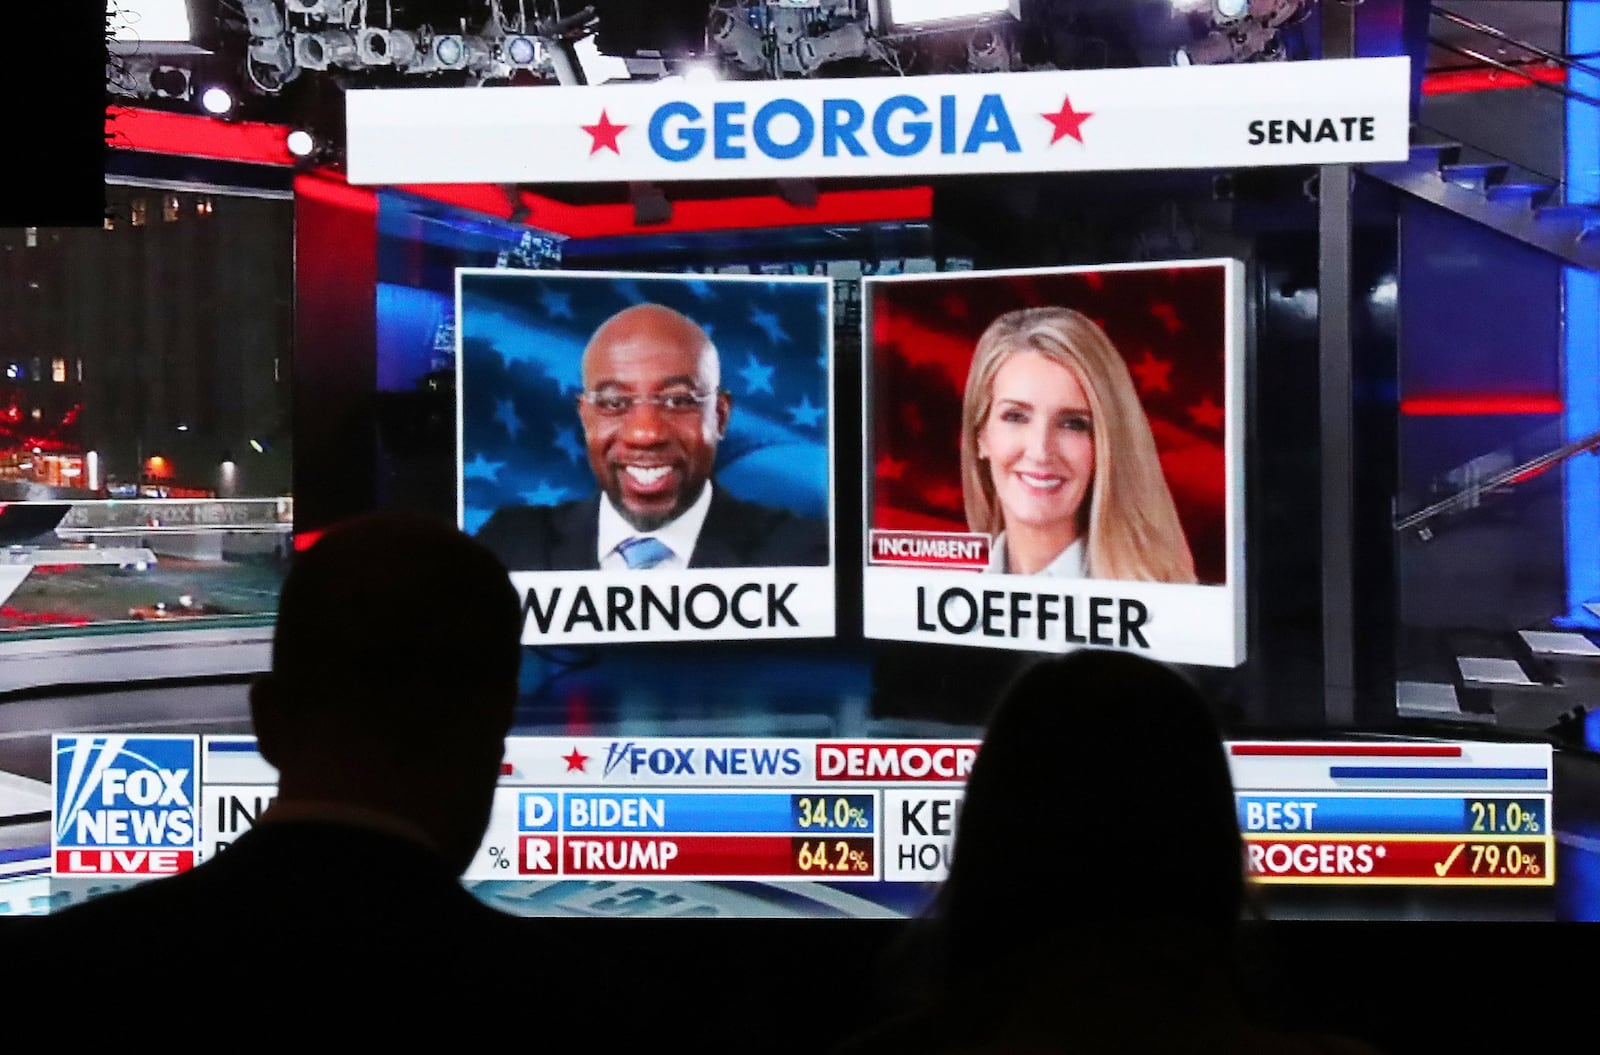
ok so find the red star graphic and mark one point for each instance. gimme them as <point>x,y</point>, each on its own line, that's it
<point>576,761</point>
<point>911,418</point>
<point>1206,413</point>
<point>1067,122</point>
<point>944,496</point>
<point>1155,375</point>
<point>889,469</point>
<point>604,134</point>
<point>1168,316</point>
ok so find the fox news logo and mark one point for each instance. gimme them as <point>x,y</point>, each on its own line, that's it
<point>125,805</point>
<point>671,761</point>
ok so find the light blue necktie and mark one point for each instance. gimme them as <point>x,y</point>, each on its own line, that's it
<point>641,553</point>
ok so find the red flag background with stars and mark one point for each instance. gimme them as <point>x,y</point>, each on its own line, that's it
<point>1168,323</point>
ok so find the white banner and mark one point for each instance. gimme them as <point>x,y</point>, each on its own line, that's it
<point>711,604</point>
<point>583,761</point>
<point>1165,621</point>
<point>1282,113</point>
<point>919,830</point>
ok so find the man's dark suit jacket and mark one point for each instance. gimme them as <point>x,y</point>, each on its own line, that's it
<point>296,920</point>
<point>735,534</point>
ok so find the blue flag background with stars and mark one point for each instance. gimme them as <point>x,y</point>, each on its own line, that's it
<point>522,341</point>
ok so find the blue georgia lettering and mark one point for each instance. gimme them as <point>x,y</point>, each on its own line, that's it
<point>762,129</point>
<point>784,129</point>
<point>725,129</point>
<point>841,120</point>
<point>917,133</point>
<point>991,125</point>
<point>947,124</point>
<point>689,139</point>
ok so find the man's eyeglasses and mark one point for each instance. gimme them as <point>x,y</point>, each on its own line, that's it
<point>617,404</point>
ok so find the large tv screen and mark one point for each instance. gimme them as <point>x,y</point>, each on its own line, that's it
<point>791,475</point>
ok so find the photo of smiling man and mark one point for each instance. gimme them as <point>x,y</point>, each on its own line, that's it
<point>687,437</point>
<point>653,412</point>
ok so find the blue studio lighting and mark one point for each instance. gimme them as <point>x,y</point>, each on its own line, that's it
<point>522,51</point>
<point>1581,301</point>
<point>449,49</point>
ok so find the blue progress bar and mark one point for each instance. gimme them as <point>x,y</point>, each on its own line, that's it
<point>247,747</point>
<point>1435,773</point>
<point>23,853</point>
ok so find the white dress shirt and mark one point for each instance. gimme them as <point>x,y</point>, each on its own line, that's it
<point>680,535</point>
<point>1067,565</point>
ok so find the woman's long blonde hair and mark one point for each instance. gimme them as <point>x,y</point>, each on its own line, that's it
<point>1132,525</point>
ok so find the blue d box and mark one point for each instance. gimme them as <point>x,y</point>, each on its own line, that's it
<point>537,811</point>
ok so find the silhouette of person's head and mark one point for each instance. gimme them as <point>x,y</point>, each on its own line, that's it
<point>394,677</point>
<point>1100,800</point>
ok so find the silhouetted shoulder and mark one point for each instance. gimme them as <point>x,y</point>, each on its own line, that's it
<point>342,911</point>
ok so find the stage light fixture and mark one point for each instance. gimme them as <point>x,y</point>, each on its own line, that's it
<point>737,39</point>
<point>276,54</point>
<point>300,143</point>
<point>987,51</point>
<point>217,101</point>
<point>450,51</point>
<point>170,82</point>
<point>523,51</point>
<point>456,51</point>
<point>849,41</point>
<point>330,10</point>
<point>385,47</point>
<point>330,47</point>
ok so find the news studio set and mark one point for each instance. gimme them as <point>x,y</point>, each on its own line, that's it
<point>1331,271</point>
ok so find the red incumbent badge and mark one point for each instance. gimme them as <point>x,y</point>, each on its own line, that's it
<point>1067,122</point>
<point>604,135</point>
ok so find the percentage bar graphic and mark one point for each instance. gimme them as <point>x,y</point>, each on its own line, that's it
<point>1401,860</point>
<point>705,812</point>
<point>698,856</point>
<point>832,857</point>
<point>1304,813</point>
